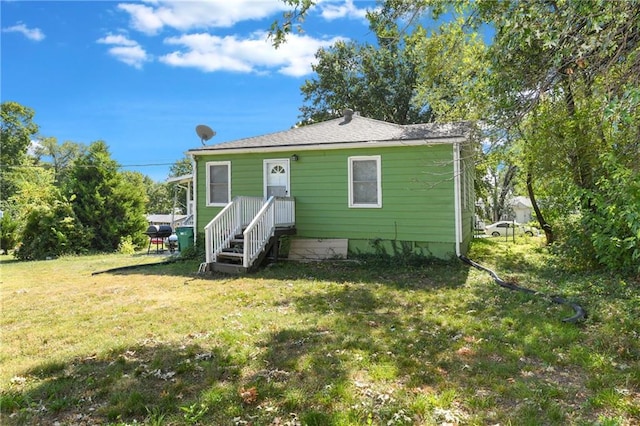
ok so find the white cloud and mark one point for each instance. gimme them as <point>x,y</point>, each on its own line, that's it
<point>253,54</point>
<point>33,147</point>
<point>331,10</point>
<point>195,46</point>
<point>143,18</point>
<point>125,50</point>
<point>117,39</point>
<point>34,34</point>
<point>152,17</point>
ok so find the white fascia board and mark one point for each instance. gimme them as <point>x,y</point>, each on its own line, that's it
<point>180,179</point>
<point>332,146</point>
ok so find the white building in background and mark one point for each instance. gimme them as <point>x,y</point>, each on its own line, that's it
<point>166,219</point>
<point>522,209</point>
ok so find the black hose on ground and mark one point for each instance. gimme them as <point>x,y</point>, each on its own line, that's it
<point>580,313</point>
<point>129,267</point>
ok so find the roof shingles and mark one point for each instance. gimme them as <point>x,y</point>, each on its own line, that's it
<point>341,130</point>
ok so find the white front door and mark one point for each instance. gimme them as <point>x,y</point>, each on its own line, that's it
<point>276,178</point>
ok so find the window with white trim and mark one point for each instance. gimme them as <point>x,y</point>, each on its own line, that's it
<point>218,183</point>
<point>365,182</point>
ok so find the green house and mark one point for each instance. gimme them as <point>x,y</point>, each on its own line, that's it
<point>340,187</point>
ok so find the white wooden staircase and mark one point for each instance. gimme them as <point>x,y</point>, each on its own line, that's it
<point>242,235</point>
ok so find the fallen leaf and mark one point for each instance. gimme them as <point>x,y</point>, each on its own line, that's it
<point>249,396</point>
<point>465,351</point>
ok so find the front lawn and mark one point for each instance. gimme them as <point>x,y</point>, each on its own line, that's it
<point>340,343</point>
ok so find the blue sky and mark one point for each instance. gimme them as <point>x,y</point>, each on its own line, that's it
<point>141,75</point>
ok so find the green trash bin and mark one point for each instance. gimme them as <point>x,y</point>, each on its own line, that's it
<point>185,237</point>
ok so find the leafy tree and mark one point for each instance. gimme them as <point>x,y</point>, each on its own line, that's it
<point>159,196</point>
<point>503,177</point>
<point>378,82</point>
<point>109,205</point>
<point>613,201</point>
<point>291,20</point>
<point>8,237</point>
<point>562,82</point>
<point>566,80</point>
<point>453,76</point>
<point>60,157</point>
<point>162,195</point>
<point>46,225</point>
<point>181,167</point>
<point>129,205</point>
<point>16,131</point>
<point>50,230</point>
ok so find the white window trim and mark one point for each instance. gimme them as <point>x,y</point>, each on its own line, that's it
<point>208,168</point>
<point>378,160</point>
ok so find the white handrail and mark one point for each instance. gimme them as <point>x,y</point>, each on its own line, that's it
<point>259,218</point>
<point>228,223</point>
<point>220,230</point>
<point>277,211</point>
<point>285,211</point>
<point>257,234</point>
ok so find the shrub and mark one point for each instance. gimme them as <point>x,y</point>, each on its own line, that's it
<point>606,232</point>
<point>7,233</point>
<point>613,222</point>
<point>196,251</point>
<point>51,231</point>
<point>126,245</point>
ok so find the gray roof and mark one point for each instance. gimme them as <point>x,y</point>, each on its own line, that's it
<point>341,130</point>
<point>521,202</point>
<point>165,218</point>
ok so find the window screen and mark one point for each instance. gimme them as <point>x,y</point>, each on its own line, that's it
<point>219,180</point>
<point>364,182</point>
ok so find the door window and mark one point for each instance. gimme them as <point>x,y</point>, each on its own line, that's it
<point>276,178</point>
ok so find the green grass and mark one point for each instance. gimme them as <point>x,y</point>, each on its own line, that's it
<point>338,343</point>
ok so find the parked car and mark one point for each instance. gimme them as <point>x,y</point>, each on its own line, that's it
<point>506,227</point>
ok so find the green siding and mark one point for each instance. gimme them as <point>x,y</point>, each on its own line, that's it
<point>468,208</point>
<point>417,195</point>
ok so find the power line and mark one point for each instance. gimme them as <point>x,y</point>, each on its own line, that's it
<point>147,165</point>
<point>122,166</point>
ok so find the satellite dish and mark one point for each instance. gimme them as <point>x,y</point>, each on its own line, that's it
<point>204,132</point>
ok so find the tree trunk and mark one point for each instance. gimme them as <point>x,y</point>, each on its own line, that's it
<point>579,158</point>
<point>548,231</point>
<point>507,186</point>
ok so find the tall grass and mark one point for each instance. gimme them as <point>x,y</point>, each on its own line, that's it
<point>337,343</point>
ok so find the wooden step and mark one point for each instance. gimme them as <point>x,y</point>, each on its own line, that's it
<point>228,268</point>
<point>229,255</point>
<point>230,259</point>
<point>235,249</point>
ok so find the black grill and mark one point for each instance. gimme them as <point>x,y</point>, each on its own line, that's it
<point>158,233</point>
<point>162,231</point>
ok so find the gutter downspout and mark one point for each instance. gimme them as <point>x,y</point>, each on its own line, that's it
<point>456,196</point>
<point>195,198</point>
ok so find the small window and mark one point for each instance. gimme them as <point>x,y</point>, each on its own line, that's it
<point>365,187</point>
<point>219,183</point>
<point>277,170</point>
